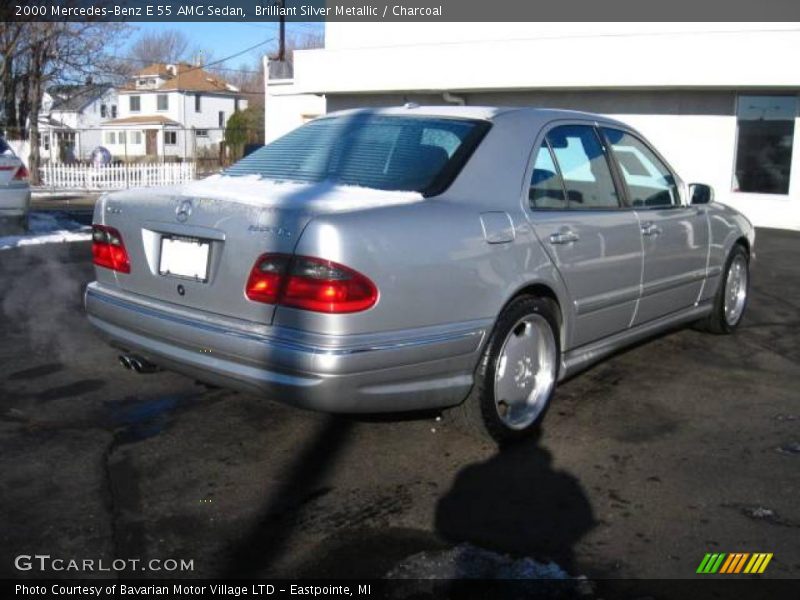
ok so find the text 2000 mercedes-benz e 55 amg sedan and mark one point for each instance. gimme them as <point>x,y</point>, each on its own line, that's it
<point>418,257</point>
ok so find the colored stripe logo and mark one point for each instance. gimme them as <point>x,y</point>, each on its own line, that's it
<point>734,563</point>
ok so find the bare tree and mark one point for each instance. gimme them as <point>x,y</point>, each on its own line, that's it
<point>166,46</point>
<point>11,49</point>
<point>62,52</point>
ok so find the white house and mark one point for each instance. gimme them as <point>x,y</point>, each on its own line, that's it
<point>720,100</point>
<point>70,119</point>
<point>171,111</point>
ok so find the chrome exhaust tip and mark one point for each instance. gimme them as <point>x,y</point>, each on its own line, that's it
<point>137,364</point>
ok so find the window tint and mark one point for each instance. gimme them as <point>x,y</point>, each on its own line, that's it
<point>649,181</point>
<point>587,177</point>
<point>764,143</point>
<point>546,190</point>
<point>375,151</point>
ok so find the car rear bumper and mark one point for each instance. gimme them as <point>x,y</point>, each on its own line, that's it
<point>387,372</point>
<point>14,201</point>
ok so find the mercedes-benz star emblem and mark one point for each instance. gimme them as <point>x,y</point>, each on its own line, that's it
<point>184,210</point>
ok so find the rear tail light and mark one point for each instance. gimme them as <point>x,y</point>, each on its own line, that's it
<point>21,174</point>
<point>108,250</point>
<point>309,284</point>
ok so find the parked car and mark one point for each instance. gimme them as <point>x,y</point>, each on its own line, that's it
<point>15,190</point>
<point>418,258</point>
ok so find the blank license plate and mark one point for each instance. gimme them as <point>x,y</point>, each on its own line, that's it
<point>184,257</point>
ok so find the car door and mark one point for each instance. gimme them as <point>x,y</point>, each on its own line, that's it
<point>577,214</point>
<point>674,235</point>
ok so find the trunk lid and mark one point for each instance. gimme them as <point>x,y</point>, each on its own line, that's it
<point>239,218</point>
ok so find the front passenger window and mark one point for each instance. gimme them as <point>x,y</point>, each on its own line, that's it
<point>649,181</point>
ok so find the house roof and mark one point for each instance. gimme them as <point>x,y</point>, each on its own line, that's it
<point>182,77</point>
<point>73,98</point>
<point>142,120</point>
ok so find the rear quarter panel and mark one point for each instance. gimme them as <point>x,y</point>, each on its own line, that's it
<point>430,262</point>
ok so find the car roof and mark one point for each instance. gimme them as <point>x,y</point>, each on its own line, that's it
<point>487,113</point>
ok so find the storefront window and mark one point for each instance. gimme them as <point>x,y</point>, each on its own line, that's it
<point>764,143</point>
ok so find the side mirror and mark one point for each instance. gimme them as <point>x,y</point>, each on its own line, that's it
<point>700,193</point>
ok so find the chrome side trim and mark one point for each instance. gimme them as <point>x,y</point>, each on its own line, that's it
<point>607,300</point>
<point>578,359</point>
<point>279,342</point>
<point>668,283</point>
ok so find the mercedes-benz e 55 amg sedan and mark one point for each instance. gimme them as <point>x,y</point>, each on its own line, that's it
<point>418,257</point>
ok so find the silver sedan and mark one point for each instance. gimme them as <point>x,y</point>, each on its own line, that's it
<point>15,191</point>
<point>418,258</point>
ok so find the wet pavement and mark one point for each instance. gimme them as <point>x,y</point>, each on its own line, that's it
<point>683,445</point>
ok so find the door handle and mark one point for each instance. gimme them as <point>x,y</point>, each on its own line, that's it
<point>564,237</point>
<point>650,229</point>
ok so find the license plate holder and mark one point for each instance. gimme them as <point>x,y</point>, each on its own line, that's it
<point>184,257</point>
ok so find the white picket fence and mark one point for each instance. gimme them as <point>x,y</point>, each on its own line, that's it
<point>116,177</point>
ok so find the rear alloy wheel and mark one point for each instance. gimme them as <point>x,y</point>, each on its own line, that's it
<point>732,295</point>
<point>517,373</point>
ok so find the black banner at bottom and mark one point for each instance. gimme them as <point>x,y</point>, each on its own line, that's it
<point>409,589</point>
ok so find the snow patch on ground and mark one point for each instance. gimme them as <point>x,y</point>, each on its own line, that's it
<point>48,228</point>
<point>453,572</point>
<point>466,561</point>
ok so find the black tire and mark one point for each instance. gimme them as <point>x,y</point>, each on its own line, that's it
<point>478,414</point>
<point>716,321</point>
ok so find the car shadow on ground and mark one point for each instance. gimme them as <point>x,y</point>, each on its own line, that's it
<point>516,503</point>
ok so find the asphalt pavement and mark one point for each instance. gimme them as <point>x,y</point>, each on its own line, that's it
<point>686,444</point>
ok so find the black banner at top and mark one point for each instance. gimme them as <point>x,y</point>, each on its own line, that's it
<point>400,10</point>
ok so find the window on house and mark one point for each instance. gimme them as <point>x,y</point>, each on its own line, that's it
<point>45,141</point>
<point>103,110</point>
<point>162,102</point>
<point>135,103</point>
<point>143,82</point>
<point>765,133</point>
<point>113,111</point>
<point>197,102</point>
<point>235,105</point>
<point>121,137</point>
<point>111,137</point>
<point>170,138</point>
<point>136,137</point>
<point>201,133</point>
<point>222,118</point>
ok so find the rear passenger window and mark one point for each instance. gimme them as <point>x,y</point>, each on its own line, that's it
<point>650,183</point>
<point>584,168</point>
<point>546,190</point>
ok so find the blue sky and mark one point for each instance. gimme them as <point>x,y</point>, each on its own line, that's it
<point>224,39</point>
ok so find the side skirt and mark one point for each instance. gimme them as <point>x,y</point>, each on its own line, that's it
<point>577,360</point>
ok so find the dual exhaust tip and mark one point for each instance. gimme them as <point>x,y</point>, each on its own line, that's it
<point>137,363</point>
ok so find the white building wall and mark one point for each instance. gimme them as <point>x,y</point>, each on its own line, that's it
<point>284,110</point>
<point>519,63</point>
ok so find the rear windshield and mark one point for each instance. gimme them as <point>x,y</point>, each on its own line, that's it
<point>421,154</point>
